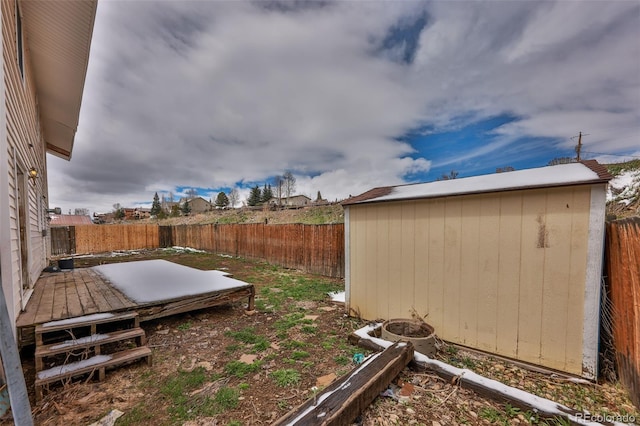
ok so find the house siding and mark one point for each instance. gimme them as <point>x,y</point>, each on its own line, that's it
<point>501,272</point>
<point>25,149</point>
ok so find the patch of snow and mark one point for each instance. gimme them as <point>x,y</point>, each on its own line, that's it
<point>547,405</point>
<point>122,253</point>
<point>186,249</point>
<point>80,341</point>
<point>109,419</point>
<point>92,317</point>
<point>624,187</point>
<point>150,281</point>
<point>82,256</point>
<point>73,366</point>
<point>338,296</point>
<point>539,177</point>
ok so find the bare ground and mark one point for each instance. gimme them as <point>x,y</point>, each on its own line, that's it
<point>197,379</point>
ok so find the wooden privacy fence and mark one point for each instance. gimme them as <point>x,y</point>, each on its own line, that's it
<point>100,239</point>
<point>63,240</point>
<point>318,249</point>
<point>623,255</point>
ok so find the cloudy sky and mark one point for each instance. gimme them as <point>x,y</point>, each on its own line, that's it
<point>347,95</point>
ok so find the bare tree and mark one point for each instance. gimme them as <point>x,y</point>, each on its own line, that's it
<point>289,183</point>
<point>561,160</point>
<point>192,193</point>
<point>505,169</point>
<point>278,183</point>
<point>81,212</point>
<point>452,175</point>
<point>234,197</point>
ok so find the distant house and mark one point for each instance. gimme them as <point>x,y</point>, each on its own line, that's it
<point>507,263</point>
<point>142,213</point>
<point>69,220</point>
<point>293,201</point>
<point>129,213</point>
<point>45,49</point>
<point>198,205</point>
<point>102,218</point>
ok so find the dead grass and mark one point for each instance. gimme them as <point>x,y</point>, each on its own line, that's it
<point>296,336</point>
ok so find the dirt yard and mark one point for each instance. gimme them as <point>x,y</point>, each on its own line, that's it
<point>224,367</point>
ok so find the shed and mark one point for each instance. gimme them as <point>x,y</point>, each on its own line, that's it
<point>507,263</point>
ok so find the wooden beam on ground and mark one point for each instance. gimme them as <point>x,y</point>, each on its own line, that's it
<point>483,386</point>
<point>342,401</point>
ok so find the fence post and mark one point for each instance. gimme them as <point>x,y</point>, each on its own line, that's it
<point>623,247</point>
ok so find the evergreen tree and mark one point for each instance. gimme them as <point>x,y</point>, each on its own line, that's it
<point>319,197</point>
<point>267,193</point>
<point>155,206</point>
<point>119,213</point>
<point>175,210</point>
<point>186,208</point>
<point>254,196</point>
<point>222,200</point>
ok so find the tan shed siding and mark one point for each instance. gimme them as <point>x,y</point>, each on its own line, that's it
<point>23,129</point>
<point>577,274</point>
<point>501,272</point>
<point>435,270</point>
<point>509,268</point>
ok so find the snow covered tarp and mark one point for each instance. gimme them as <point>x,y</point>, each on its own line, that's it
<point>152,281</point>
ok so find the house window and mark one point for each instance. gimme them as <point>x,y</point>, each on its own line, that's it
<point>19,41</point>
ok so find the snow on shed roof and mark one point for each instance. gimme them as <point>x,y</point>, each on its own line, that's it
<point>585,172</point>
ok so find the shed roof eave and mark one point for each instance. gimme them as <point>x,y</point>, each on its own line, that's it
<point>459,194</point>
<point>583,173</point>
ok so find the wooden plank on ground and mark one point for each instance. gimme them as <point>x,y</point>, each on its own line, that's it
<point>60,297</point>
<point>87,302</point>
<point>115,299</point>
<point>28,316</point>
<point>45,308</point>
<point>483,386</point>
<point>342,401</point>
<point>74,308</point>
<point>102,304</point>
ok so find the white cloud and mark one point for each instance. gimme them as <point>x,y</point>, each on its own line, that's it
<point>211,94</point>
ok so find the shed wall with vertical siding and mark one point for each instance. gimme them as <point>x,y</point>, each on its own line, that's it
<point>504,272</point>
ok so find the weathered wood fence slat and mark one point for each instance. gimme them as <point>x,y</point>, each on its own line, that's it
<point>318,249</point>
<point>623,255</point>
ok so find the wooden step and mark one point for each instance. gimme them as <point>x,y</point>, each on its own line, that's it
<point>98,363</point>
<point>91,341</point>
<point>85,321</point>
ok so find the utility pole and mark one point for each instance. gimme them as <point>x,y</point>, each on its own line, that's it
<point>579,146</point>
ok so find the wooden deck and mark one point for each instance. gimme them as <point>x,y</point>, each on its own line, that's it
<point>83,291</point>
